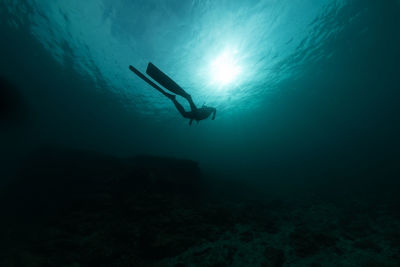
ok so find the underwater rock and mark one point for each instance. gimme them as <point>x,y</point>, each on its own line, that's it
<point>107,207</point>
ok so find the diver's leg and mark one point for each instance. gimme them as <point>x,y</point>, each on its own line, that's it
<point>170,96</point>
<point>180,108</point>
<point>191,103</point>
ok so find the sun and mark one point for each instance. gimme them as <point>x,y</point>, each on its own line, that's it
<point>224,69</point>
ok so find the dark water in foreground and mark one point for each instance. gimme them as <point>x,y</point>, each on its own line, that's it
<point>299,168</point>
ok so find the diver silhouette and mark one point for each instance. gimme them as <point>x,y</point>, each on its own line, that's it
<point>195,113</point>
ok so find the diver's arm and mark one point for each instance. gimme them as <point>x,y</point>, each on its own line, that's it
<point>215,111</point>
<point>190,122</point>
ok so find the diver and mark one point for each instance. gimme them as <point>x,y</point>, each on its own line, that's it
<point>195,113</point>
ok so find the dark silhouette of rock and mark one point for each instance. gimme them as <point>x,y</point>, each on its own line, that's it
<point>104,207</point>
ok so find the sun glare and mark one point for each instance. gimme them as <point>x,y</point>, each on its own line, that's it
<point>225,69</point>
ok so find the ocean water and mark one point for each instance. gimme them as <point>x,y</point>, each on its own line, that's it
<point>306,91</point>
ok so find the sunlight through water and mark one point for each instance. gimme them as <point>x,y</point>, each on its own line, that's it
<point>225,68</point>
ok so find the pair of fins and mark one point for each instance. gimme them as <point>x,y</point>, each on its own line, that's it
<point>161,78</point>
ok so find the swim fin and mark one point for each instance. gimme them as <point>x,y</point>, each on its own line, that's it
<point>141,75</point>
<point>164,80</point>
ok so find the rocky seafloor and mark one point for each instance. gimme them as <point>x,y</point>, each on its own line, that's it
<point>71,208</point>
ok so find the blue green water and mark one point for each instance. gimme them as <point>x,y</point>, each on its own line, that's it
<point>316,91</point>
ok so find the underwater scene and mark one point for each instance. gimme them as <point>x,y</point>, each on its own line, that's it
<point>200,133</point>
